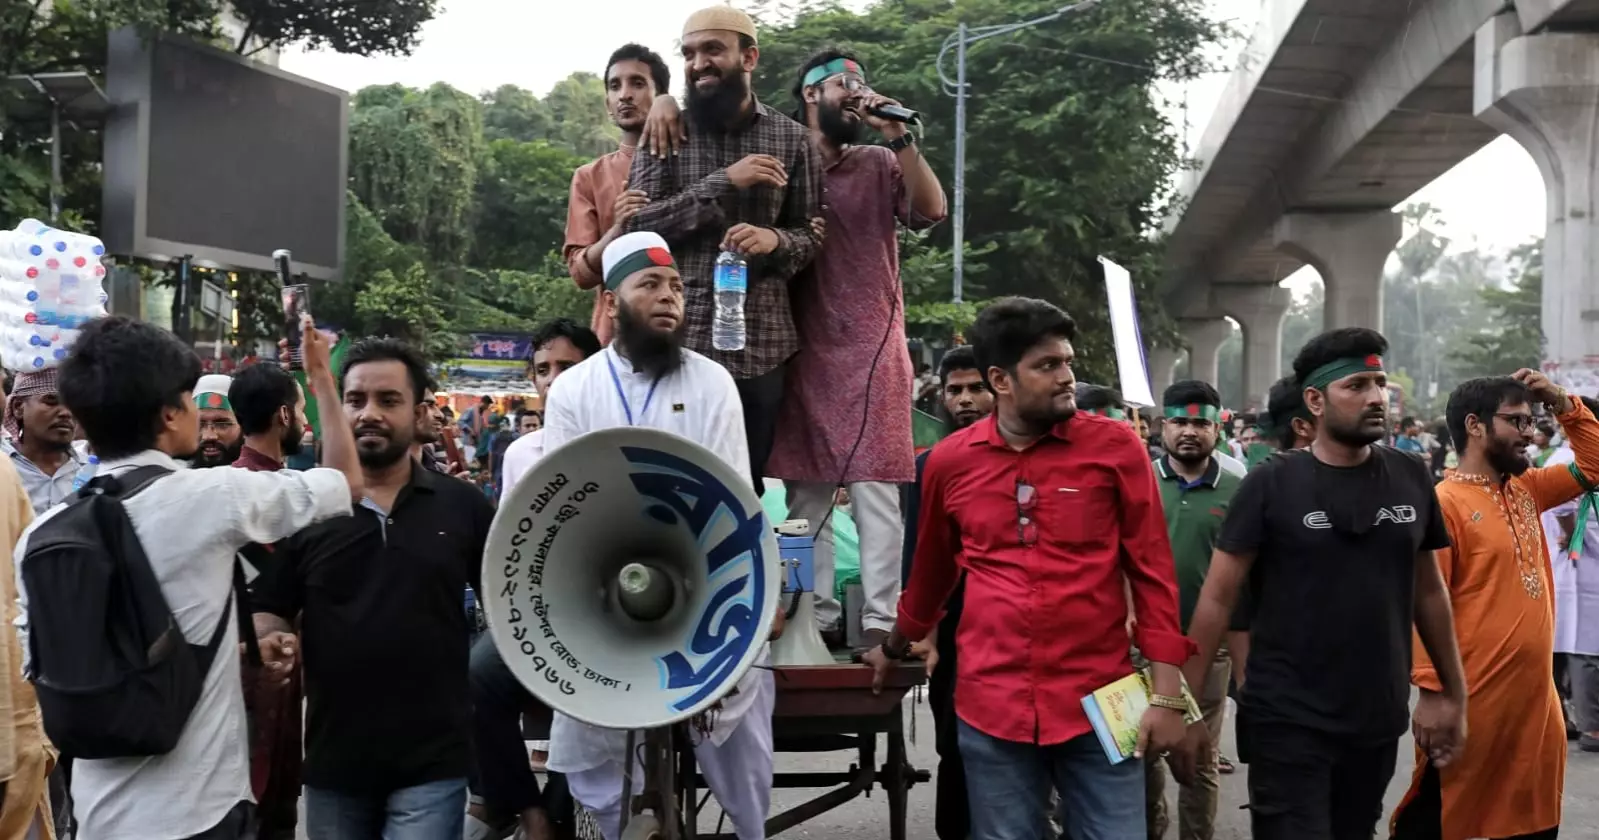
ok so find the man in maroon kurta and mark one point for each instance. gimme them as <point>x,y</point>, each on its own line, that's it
<point>270,408</point>
<point>845,417</point>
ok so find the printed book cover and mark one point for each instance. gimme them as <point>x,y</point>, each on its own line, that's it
<point>1115,711</point>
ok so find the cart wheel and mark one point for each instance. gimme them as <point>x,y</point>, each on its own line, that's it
<point>642,827</point>
<point>896,785</point>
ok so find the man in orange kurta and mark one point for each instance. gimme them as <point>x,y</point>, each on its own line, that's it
<point>600,202</point>
<point>1508,782</point>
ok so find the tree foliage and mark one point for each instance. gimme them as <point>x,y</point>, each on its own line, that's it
<point>359,27</point>
<point>1515,339</point>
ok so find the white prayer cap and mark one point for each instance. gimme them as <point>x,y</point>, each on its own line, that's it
<point>633,252</point>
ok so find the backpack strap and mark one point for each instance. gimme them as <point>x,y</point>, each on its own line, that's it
<point>126,485</point>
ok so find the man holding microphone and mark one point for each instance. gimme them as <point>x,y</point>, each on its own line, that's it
<point>845,419</point>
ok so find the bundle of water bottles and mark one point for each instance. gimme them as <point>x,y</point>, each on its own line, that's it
<point>51,284</point>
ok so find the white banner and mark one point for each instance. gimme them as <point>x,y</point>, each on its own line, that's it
<point>1130,366</point>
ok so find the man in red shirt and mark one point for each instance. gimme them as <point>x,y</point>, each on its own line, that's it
<point>1047,511</point>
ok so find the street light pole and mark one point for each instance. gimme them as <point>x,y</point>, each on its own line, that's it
<point>959,41</point>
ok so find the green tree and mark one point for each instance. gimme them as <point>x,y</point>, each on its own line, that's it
<point>1515,339</point>
<point>514,113</point>
<point>359,27</point>
<point>520,207</point>
<point>577,107</point>
<point>414,159</point>
<point>1082,88</point>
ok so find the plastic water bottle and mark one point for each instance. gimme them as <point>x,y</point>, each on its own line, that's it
<point>731,283</point>
<point>86,473</point>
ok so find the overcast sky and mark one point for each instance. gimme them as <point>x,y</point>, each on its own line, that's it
<point>1494,199</point>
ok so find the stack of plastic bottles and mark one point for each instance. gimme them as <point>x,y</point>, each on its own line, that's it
<point>51,284</point>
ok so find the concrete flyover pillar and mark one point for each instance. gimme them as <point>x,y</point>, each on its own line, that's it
<point>1162,367</point>
<point>1259,309</point>
<point>1205,337</point>
<point>1348,250</point>
<point>1543,90</point>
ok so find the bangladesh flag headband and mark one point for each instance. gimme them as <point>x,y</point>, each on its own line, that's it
<point>1197,411</point>
<point>1337,369</point>
<point>837,66</point>
<point>637,261</point>
<point>1112,413</point>
<point>213,401</point>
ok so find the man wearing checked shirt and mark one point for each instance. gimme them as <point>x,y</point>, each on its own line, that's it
<point>1194,493</point>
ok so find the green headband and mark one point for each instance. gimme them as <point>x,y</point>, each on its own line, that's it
<point>212,401</point>
<point>1195,410</point>
<point>637,261</point>
<point>1112,413</point>
<point>817,75</point>
<point>1337,369</point>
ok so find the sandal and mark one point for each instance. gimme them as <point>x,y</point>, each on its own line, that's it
<point>1224,765</point>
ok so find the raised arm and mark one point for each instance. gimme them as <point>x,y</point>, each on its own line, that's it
<point>1556,484</point>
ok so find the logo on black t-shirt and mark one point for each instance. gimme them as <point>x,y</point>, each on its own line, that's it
<point>1317,520</point>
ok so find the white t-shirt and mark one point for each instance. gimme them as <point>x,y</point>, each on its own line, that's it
<point>191,524</point>
<point>1229,464</point>
<point>699,402</point>
<point>520,457</point>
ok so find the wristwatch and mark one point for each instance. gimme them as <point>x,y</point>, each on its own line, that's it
<point>895,654</point>
<point>1161,701</point>
<point>904,141</point>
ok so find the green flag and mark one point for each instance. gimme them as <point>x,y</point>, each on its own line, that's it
<point>336,359</point>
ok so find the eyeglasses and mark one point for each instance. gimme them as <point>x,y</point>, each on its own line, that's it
<point>219,426</point>
<point>1026,501</point>
<point>1522,422</point>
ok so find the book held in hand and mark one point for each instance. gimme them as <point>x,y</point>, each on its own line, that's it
<point>1116,710</point>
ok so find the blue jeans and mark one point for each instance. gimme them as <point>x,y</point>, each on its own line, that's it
<point>432,811</point>
<point>1008,784</point>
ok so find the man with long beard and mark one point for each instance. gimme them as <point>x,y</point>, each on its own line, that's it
<point>1508,785</point>
<point>270,409</point>
<point>848,311</point>
<point>41,429</point>
<point>647,378</point>
<point>1194,493</point>
<point>379,595</point>
<point>220,437</point>
<point>966,400</point>
<point>1337,544</point>
<point>745,180</point>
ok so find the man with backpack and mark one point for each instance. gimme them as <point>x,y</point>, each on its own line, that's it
<point>130,625</point>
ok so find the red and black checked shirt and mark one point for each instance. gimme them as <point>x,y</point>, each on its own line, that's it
<point>692,204</point>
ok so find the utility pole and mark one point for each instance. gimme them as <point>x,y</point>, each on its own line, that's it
<point>958,41</point>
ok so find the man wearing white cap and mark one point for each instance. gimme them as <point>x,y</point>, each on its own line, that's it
<point>645,377</point>
<point>747,181</point>
<point>220,436</point>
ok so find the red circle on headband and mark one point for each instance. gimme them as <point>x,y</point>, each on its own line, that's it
<point>659,256</point>
<point>1374,360</point>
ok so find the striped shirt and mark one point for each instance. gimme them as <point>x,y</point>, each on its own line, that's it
<point>692,204</point>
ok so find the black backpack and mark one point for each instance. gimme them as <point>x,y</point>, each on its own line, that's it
<point>114,676</point>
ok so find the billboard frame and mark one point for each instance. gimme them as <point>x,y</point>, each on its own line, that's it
<point>129,59</point>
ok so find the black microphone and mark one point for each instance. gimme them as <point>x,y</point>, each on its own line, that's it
<point>894,113</point>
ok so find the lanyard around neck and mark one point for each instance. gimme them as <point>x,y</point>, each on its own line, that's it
<point>627,408</point>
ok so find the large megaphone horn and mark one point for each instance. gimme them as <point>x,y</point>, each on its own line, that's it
<point>630,579</point>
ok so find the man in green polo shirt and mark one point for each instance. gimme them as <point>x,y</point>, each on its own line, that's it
<point>1195,492</point>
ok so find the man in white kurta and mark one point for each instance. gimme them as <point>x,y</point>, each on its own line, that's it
<point>1576,585</point>
<point>644,378</point>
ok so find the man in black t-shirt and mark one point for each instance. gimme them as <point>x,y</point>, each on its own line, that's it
<point>1335,542</point>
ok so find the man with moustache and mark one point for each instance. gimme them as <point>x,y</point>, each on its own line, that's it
<point>966,400</point>
<point>747,180</point>
<point>220,437</point>
<point>834,429</point>
<point>1194,494</point>
<point>379,599</point>
<point>506,790</point>
<point>601,202</point>
<point>1047,511</point>
<point>1508,785</point>
<point>41,430</point>
<point>270,409</point>
<point>647,378</point>
<point>1337,539</point>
